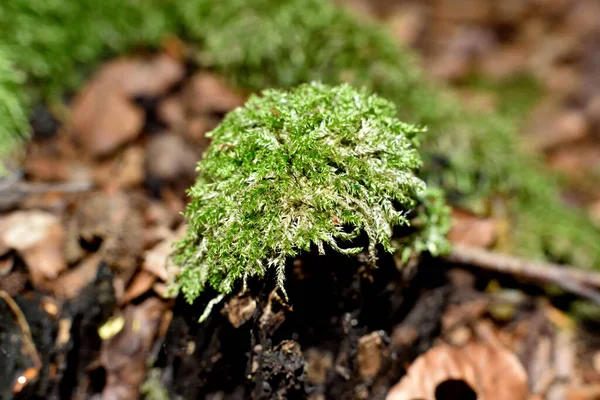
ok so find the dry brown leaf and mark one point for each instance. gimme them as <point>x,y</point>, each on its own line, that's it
<point>207,93</point>
<point>552,127</point>
<point>141,283</point>
<point>407,22</point>
<point>71,283</point>
<point>141,76</point>
<point>169,157</point>
<point>470,230</point>
<point>172,112</point>
<point>239,310</point>
<point>318,365</point>
<point>158,260</point>
<point>491,371</point>
<point>124,355</point>
<point>103,119</point>
<point>115,223</point>
<point>369,355</point>
<point>38,237</point>
<point>103,115</point>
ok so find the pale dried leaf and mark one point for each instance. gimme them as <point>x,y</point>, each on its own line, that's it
<point>71,283</point>
<point>470,230</point>
<point>209,94</point>
<point>38,237</point>
<point>158,260</point>
<point>124,355</point>
<point>491,371</point>
<point>103,119</point>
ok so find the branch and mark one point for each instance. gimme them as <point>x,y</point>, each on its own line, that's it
<point>582,283</point>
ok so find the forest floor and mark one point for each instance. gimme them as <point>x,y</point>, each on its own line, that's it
<point>85,235</point>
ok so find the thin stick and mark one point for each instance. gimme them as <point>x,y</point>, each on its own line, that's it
<point>582,283</point>
<point>24,326</point>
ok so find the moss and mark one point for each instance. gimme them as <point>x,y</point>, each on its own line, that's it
<point>317,166</point>
<point>13,117</point>
<point>258,44</point>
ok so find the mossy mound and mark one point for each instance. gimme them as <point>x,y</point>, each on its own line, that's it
<point>316,166</point>
<point>258,44</point>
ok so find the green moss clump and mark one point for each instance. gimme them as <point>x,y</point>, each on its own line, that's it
<point>318,165</point>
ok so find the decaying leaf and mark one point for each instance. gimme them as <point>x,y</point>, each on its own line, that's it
<point>158,260</point>
<point>471,230</point>
<point>38,237</point>
<point>369,355</point>
<point>69,284</point>
<point>124,355</point>
<point>103,114</point>
<point>491,371</point>
<point>239,310</point>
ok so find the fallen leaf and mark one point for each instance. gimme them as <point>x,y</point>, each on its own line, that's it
<point>103,118</point>
<point>318,365</point>
<point>492,372</point>
<point>207,93</point>
<point>38,237</point>
<point>103,115</point>
<point>369,356</point>
<point>470,230</point>
<point>137,76</point>
<point>239,310</point>
<point>172,112</point>
<point>124,355</point>
<point>169,157</point>
<point>141,283</point>
<point>69,284</point>
<point>158,260</point>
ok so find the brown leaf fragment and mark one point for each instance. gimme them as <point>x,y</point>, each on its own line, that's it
<point>38,237</point>
<point>103,115</point>
<point>492,372</point>
<point>318,365</point>
<point>158,260</point>
<point>124,355</point>
<point>169,157</point>
<point>141,283</point>
<point>103,119</point>
<point>209,94</point>
<point>72,282</point>
<point>469,229</point>
<point>239,310</point>
<point>138,76</point>
<point>369,355</point>
<point>110,224</point>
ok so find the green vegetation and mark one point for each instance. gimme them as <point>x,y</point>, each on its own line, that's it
<point>259,44</point>
<point>317,166</point>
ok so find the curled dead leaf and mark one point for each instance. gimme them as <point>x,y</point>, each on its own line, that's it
<point>239,310</point>
<point>471,230</point>
<point>124,354</point>
<point>69,284</point>
<point>209,94</point>
<point>491,371</point>
<point>38,238</point>
<point>158,260</point>
<point>369,355</point>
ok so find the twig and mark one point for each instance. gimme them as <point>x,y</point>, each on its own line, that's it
<point>64,187</point>
<point>582,283</point>
<point>13,189</point>
<point>24,327</point>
